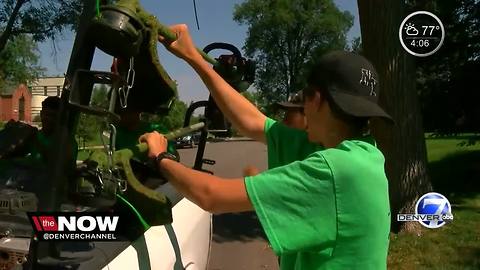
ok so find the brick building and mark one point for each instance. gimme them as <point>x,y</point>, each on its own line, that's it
<point>24,103</point>
<point>16,104</point>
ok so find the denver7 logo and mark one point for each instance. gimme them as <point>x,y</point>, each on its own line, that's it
<point>433,205</point>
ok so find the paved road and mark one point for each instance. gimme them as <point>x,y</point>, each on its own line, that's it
<point>238,240</point>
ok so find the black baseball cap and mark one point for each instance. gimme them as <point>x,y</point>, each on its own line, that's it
<point>351,81</point>
<point>294,101</point>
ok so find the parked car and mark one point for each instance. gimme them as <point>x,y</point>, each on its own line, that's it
<point>188,140</point>
<point>185,141</point>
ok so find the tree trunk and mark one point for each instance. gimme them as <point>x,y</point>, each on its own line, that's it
<point>8,29</point>
<point>403,144</point>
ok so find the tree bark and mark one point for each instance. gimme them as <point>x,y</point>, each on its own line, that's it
<point>403,144</point>
<point>8,29</point>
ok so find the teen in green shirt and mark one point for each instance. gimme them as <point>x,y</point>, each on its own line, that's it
<point>327,209</point>
<point>293,117</point>
<point>324,201</point>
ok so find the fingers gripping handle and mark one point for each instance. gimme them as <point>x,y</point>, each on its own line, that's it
<point>152,205</point>
<point>170,36</point>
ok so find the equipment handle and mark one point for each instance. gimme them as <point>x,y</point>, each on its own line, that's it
<point>170,36</point>
<point>143,147</point>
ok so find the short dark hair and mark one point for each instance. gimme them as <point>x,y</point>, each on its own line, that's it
<point>51,102</point>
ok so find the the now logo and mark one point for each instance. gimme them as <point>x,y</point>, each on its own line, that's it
<point>88,223</point>
<point>75,226</point>
<point>75,223</point>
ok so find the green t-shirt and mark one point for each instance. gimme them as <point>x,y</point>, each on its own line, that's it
<point>39,148</point>
<point>328,208</point>
<point>286,145</point>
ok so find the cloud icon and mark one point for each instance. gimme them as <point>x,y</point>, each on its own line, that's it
<point>411,30</point>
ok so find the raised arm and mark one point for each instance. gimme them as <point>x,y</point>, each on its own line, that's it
<point>236,108</point>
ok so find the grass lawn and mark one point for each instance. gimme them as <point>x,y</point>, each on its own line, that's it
<point>455,173</point>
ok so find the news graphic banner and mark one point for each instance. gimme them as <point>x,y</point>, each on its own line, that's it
<point>433,210</point>
<point>61,226</point>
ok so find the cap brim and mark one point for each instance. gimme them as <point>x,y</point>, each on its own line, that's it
<point>358,106</point>
<point>289,105</point>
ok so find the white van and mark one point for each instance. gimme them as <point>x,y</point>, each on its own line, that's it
<point>184,244</point>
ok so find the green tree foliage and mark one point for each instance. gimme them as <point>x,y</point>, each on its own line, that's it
<point>42,19</point>
<point>100,96</point>
<point>174,119</point>
<point>19,62</point>
<point>89,126</point>
<point>448,80</point>
<point>284,35</point>
<point>356,45</point>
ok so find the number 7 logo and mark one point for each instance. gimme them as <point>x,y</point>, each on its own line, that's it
<point>441,205</point>
<point>426,212</point>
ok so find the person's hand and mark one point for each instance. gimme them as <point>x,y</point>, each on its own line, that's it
<point>157,143</point>
<point>250,170</point>
<point>183,46</point>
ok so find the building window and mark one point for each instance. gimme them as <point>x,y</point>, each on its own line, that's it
<point>45,91</point>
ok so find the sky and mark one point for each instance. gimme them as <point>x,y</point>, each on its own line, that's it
<point>216,25</point>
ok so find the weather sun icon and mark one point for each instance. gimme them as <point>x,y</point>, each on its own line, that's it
<point>410,29</point>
